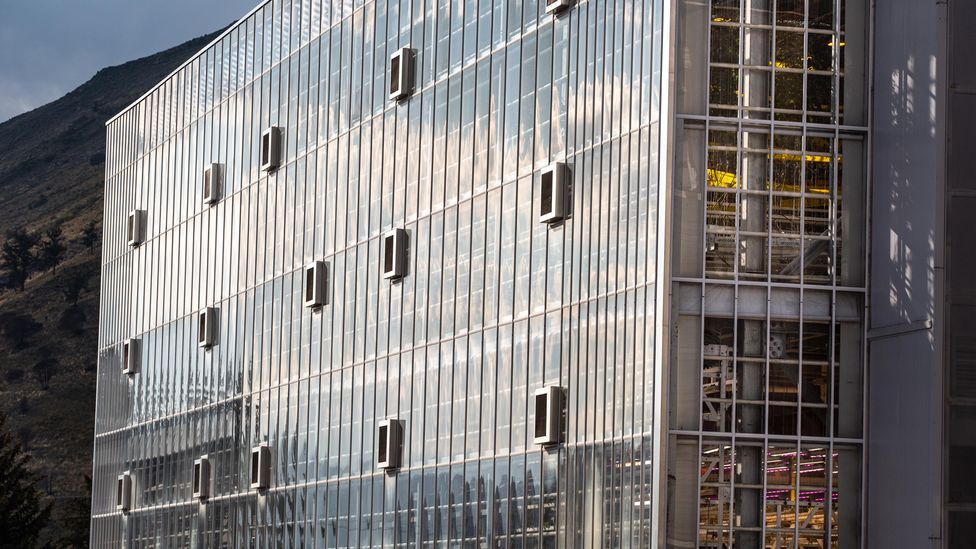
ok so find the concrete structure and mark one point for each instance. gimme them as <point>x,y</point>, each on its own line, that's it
<point>637,274</point>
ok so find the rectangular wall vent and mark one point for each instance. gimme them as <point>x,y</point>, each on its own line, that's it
<point>212,183</point>
<point>402,73</point>
<point>207,327</point>
<point>130,357</point>
<point>201,478</point>
<point>260,467</point>
<point>123,492</point>
<point>271,149</point>
<point>556,6</point>
<point>554,195</point>
<point>135,228</point>
<point>549,411</point>
<point>395,254</point>
<point>389,444</point>
<point>316,284</point>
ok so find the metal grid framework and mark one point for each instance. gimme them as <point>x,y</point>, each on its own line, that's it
<point>494,305</point>
<point>768,274</point>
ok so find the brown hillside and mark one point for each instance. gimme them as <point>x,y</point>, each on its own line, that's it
<point>52,173</point>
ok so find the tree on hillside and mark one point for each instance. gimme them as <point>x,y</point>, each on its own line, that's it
<point>22,513</point>
<point>72,320</point>
<point>17,257</point>
<point>44,370</point>
<point>25,434</point>
<point>17,328</point>
<point>89,237</point>
<point>76,518</point>
<point>51,250</point>
<point>14,375</point>
<point>73,283</point>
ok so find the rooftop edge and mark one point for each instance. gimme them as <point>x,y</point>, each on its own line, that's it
<point>193,57</point>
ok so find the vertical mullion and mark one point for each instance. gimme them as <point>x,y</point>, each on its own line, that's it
<point>737,196</point>
<point>704,264</point>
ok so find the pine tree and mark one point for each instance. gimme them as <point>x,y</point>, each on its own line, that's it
<point>17,256</point>
<point>52,248</point>
<point>18,328</point>
<point>89,237</point>
<point>73,283</point>
<point>76,519</point>
<point>22,513</point>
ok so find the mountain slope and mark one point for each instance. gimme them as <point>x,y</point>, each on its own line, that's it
<point>52,174</point>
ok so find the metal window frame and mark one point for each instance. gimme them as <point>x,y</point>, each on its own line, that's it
<point>405,61</point>
<point>259,471</point>
<point>136,227</point>
<point>553,416</point>
<point>271,149</point>
<point>213,178</point>
<point>556,7</point>
<point>130,356</point>
<point>201,478</point>
<point>389,436</point>
<point>554,181</point>
<point>395,244</point>
<point>207,327</point>
<point>123,493</point>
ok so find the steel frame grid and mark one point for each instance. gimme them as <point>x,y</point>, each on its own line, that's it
<point>805,127</point>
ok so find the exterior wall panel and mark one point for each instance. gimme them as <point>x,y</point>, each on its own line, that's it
<point>907,280</point>
<point>494,304</point>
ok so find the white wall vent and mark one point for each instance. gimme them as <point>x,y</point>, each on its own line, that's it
<point>556,6</point>
<point>260,467</point>
<point>549,410</point>
<point>123,492</point>
<point>207,327</point>
<point>395,254</point>
<point>213,182</point>
<point>389,444</point>
<point>554,195</point>
<point>271,149</point>
<point>316,284</point>
<point>135,227</point>
<point>402,73</point>
<point>201,478</point>
<point>130,357</point>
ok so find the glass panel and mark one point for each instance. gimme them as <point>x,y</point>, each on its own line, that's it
<point>717,375</point>
<point>812,494</point>
<point>725,44</point>
<point>715,495</point>
<point>780,501</point>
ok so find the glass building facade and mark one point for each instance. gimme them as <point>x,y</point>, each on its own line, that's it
<point>494,305</point>
<point>701,307</point>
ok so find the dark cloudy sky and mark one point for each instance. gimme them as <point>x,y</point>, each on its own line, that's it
<point>50,47</point>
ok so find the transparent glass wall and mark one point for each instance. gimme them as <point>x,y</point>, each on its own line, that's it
<point>766,377</point>
<point>494,306</point>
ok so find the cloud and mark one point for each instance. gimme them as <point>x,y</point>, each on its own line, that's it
<point>17,97</point>
<point>53,46</point>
